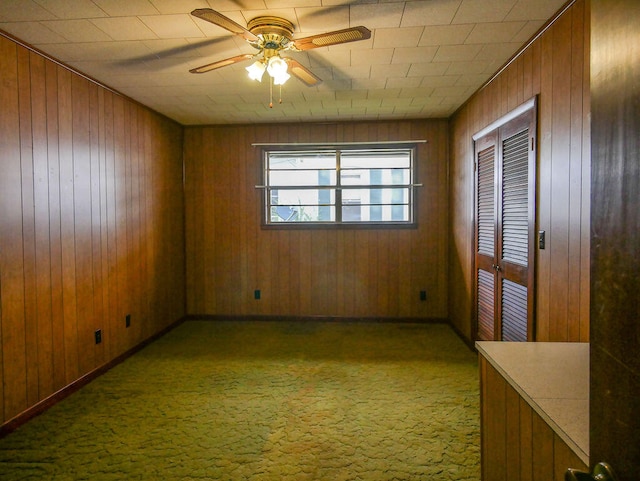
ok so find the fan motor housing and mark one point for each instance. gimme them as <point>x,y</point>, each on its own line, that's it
<point>276,32</point>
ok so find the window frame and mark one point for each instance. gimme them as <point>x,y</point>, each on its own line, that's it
<point>338,223</point>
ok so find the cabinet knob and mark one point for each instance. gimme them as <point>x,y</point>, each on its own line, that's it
<point>601,472</point>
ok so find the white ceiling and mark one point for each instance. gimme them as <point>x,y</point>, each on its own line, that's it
<point>423,60</point>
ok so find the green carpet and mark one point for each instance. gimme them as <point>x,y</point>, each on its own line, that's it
<point>267,401</point>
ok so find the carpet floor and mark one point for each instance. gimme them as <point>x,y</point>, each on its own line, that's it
<point>267,401</point>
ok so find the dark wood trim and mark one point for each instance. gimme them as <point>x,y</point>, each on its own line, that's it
<point>37,409</point>
<point>270,318</point>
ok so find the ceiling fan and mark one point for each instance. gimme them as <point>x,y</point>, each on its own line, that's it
<point>271,36</point>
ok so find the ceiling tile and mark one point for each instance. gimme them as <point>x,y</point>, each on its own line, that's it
<point>123,8</point>
<point>494,32</point>
<point>78,30</point>
<point>403,83</point>
<point>183,6</point>
<point>428,69</point>
<point>292,3</point>
<point>74,9</point>
<point>377,16</point>
<point>372,57</point>
<point>439,81</point>
<point>96,51</point>
<point>457,53</point>
<point>23,11</point>
<point>397,37</point>
<point>413,55</point>
<point>351,95</point>
<point>416,92</point>
<point>172,26</point>
<point>480,11</point>
<point>538,10</point>
<point>473,80</point>
<point>326,58</point>
<point>445,34</point>
<point>124,28</point>
<point>368,84</point>
<point>450,91</point>
<point>355,72</point>
<point>36,32</point>
<point>384,94</point>
<point>474,67</point>
<point>322,19</point>
<point>367,103</point>
<point>389,71</point>
<point>497,51</point>
<point>395,102</point>
<point>429,12</point>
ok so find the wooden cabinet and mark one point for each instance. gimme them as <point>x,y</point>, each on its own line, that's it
<point>517,443</point>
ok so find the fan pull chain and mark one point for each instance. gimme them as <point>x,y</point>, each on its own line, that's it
<point>280,100</point>
<point>271,93</point>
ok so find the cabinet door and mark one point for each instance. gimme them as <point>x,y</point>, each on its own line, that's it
<point>505,230</point>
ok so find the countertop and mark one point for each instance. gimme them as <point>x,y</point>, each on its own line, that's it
<point>553,377</point>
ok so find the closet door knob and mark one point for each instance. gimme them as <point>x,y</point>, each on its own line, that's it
<point>601,472</point>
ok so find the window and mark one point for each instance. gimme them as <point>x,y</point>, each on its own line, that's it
<point>347,186</point>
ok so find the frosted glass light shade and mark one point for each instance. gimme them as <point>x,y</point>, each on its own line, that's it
<point>256,70</point>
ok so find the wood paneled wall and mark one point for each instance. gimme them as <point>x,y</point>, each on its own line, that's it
<point>555,67</point>
<point>516,443</point>
<point>91,226</point>
<point>375,273</point>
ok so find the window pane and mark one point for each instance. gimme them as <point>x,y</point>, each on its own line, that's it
<point>302,213</point>
<point>355,212</point>
<point>302,177</point>
<point>302,205</point>
<point>375,177</point>
<point>302,160</point>
<point>376,196</point>
<point>350,159</point>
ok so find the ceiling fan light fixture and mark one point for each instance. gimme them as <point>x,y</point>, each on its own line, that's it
<point>256,70</point>
<point>281,78</point>
<point>277,67</point>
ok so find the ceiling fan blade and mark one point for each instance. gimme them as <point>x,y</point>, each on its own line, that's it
<point>220,20</point>
<point>352,34</point>
<point>303,73</point>
<point>221,63</point>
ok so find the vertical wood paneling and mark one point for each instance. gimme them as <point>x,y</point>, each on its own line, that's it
<point>43,291</point>
<point>55,231</point>
<point>11,268</point>
<point>552,68</point>
<point>302,272</point>
<point>67,227</point>
<point>77,233</point>
<point>558,234</point>
<point>517,444</point>
<point>28,226</point>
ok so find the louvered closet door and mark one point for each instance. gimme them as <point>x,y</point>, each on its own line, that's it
<point>486,239</point>
<point>505,188</point>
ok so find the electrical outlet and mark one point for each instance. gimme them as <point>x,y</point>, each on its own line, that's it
<point>423,295</point>
<point>127,320</point>
<point>98,336</point>
<point>256,294</point>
